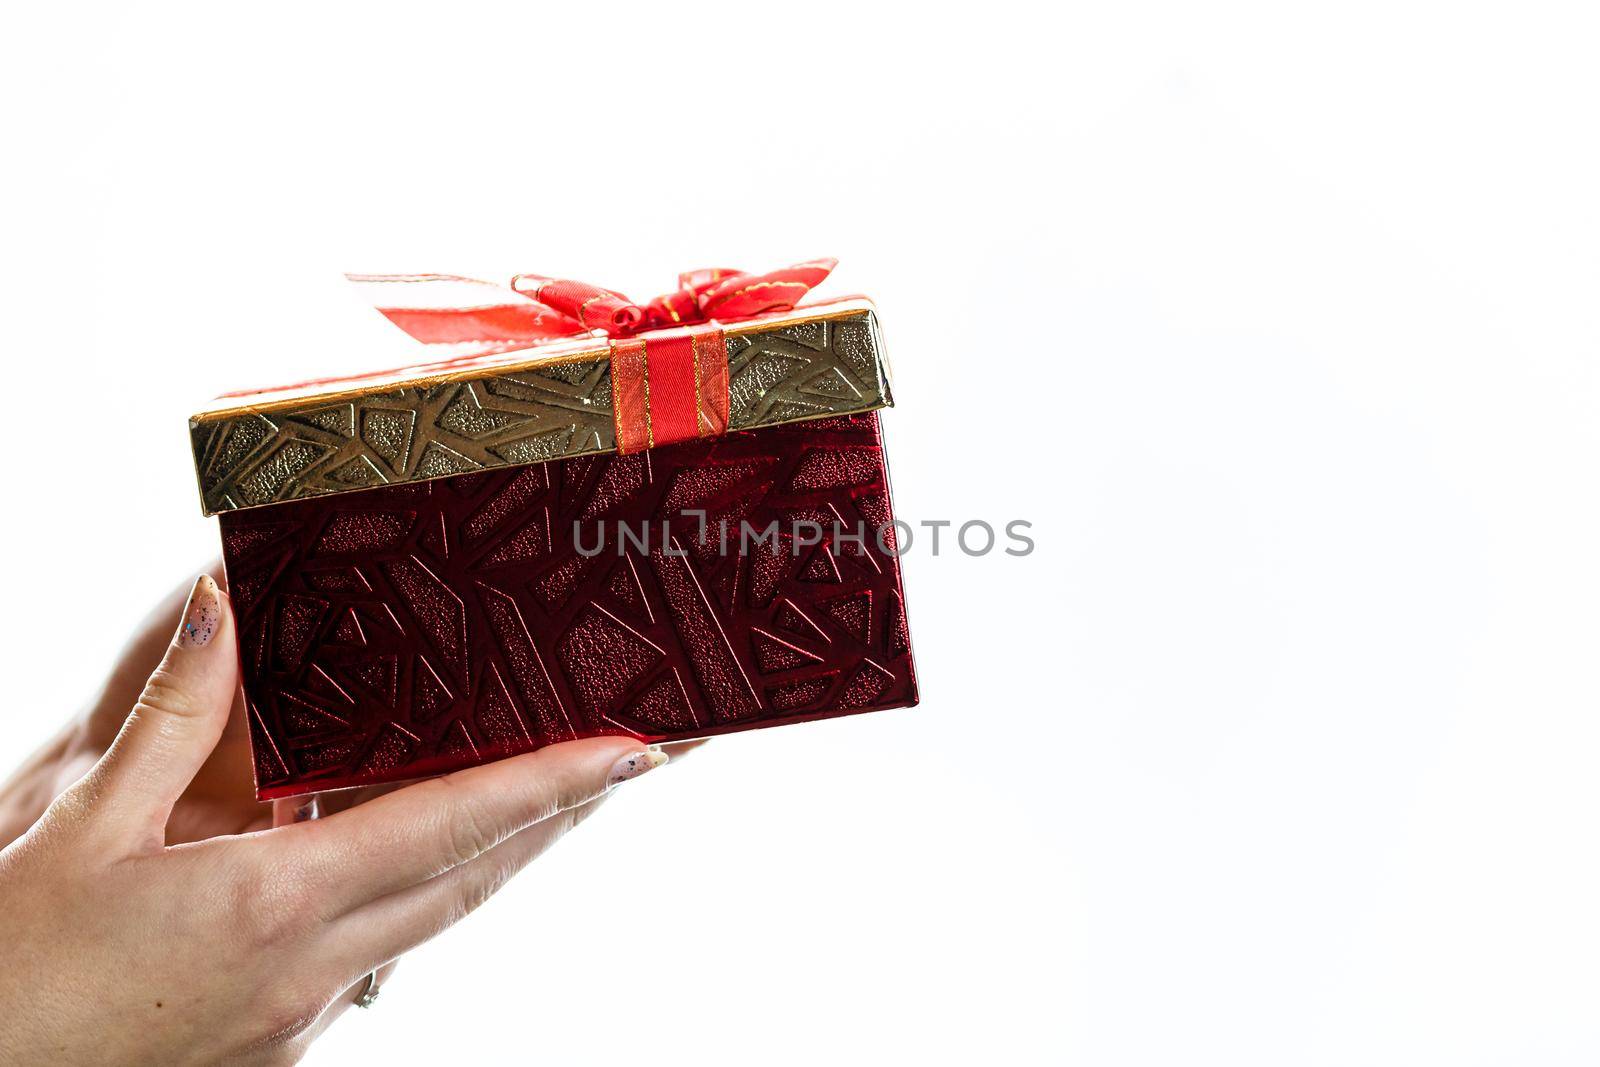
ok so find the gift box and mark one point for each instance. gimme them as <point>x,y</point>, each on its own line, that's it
<point>573,516</point>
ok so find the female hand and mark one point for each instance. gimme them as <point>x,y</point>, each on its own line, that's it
<point>120,948</point>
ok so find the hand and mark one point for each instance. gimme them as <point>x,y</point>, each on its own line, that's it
<point>122,948</point>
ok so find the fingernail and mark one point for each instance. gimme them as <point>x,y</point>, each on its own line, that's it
<point>201,615</point>
<point>634,764</point>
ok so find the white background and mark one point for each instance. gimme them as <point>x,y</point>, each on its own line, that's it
<point>1280,749</point>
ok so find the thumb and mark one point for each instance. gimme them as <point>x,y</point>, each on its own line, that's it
<point>175,724</point>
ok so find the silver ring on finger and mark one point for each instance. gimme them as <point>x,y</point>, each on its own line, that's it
<point>369,991</point>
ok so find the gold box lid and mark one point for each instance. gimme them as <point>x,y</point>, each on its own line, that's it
<point>532,405</point>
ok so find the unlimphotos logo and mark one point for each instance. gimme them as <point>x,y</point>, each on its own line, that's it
<point>974,537</point>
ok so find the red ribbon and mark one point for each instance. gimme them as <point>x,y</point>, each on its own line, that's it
<point>669,368</point>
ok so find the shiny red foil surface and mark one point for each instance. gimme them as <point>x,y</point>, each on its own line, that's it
<point>401,632</point>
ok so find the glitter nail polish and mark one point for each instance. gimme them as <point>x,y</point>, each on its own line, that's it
<point>634,764</point>
<point>201,615</point>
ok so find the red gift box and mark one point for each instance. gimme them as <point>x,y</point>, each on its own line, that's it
<point>523,543</point>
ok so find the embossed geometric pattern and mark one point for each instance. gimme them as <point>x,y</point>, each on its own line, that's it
<point>414,629</point>
<point>271,451</point>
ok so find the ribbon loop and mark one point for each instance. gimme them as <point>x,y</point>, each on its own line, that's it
<point>709,293</point>
<point>742,295</point>
<point>593,307</point>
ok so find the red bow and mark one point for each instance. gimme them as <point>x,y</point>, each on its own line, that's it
<point>712,293</point>
<point>475,317</point>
